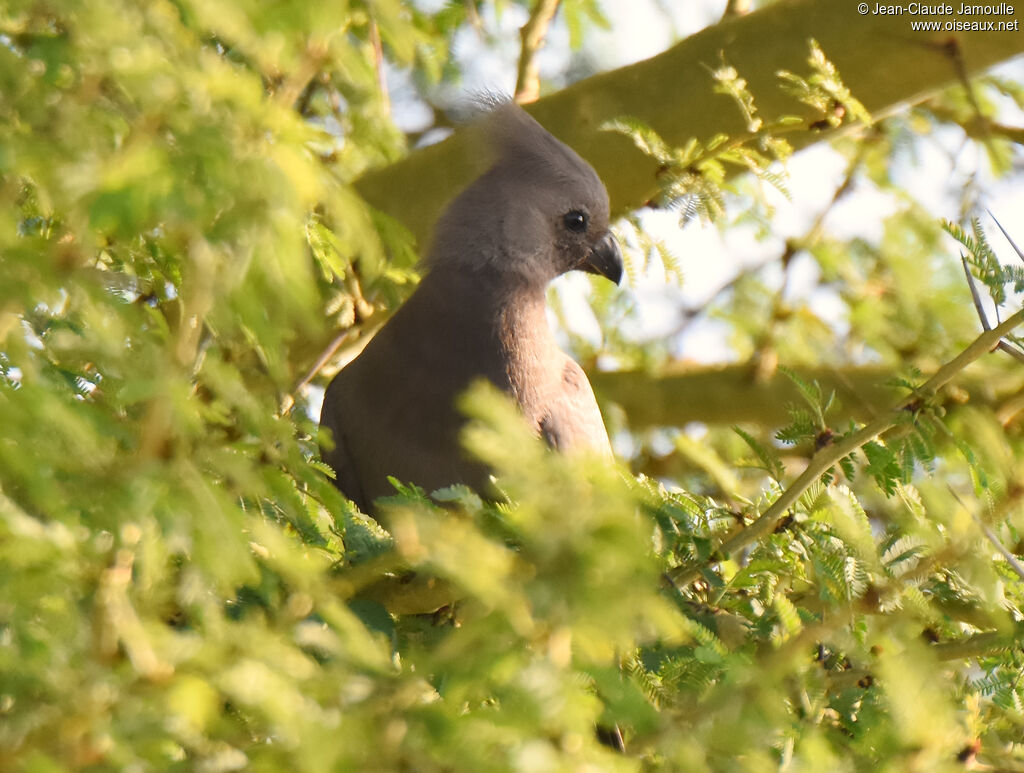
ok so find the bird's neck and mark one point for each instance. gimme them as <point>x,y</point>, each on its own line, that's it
<point>501,323</point>
<point>511,321</point>
<point>497,299</point>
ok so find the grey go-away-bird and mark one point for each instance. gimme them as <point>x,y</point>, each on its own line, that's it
<point>479,313</point>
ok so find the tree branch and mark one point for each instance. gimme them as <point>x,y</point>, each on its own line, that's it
<point>979,644</point>
<point>673,94</point>
<point>830,455</point>
<point>533,34</point>
<point>978,127</point>
<point>726,395</point>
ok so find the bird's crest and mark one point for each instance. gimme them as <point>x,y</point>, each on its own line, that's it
<point>513,136</point>
<point>506,217</point>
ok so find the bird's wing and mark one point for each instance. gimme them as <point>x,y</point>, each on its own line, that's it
<point>572,421</point>
<point>338,457</point>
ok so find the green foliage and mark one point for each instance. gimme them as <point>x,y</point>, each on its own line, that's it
<point>579,15</point>
<point>807,421</point>
<point>825,91</point>
<point>692,177</point>
<point>987,267</point>
<point>182,588</point>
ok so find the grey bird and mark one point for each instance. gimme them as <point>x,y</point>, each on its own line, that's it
<point>479,313</point>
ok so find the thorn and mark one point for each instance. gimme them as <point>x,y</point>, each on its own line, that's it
<point>974,294</point>
<point>1012,244</point>
<point>1005,346</point>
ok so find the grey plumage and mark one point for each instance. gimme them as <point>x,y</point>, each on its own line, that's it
<point>479,312</point>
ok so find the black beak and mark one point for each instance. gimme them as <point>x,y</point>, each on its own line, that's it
<point>605,259</point>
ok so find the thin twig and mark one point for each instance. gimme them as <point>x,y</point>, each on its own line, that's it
<point>976,128</point>
<point>978,644</point>
<point>991,536</point>
<point>533,34</point>
<point>289,399</point>
<point>357,335</point>
<point>953,51</point>
<point>1003,346</point>
<point>378,64</point>
<point>294,86</point>
<point>830,455</point>
<point>736,8</point>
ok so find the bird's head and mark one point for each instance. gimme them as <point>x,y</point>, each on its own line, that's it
<point>538,212</point>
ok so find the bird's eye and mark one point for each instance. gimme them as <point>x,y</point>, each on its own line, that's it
<point>575,221</point>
